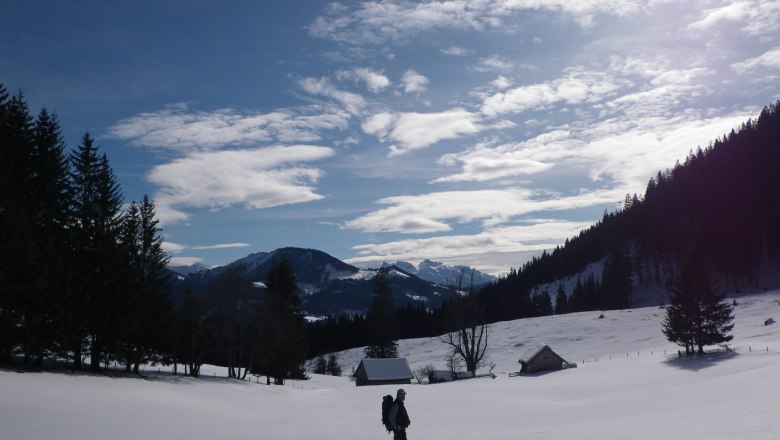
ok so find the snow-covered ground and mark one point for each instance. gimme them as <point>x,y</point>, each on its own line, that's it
<point>629,385</point>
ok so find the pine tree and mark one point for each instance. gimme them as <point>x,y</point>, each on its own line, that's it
<point>283,334</point>
<point>128,321</point>
<point>51,215</point>
<point>561,301</point>
<point>616,281</point>
<point>382,326</point>
<point>698,314</point>
<point>96,206</point>
<point>332,366</point>
<point>157,318</point>
<point>21,283</point>
<point>195,334</point>
<point>321,365</point>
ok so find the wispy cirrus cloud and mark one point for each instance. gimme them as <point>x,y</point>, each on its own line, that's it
<point>184,261</point>
<point>221,246</point>
<point>175,248</point>
<point>577,86</point>
<point>433,212</point>
<point>493,63</point>
<point>176,127</point>
<point>412,131</point>
<point>769,59</point>
<point>375,22</point>
<point>455,51</point>
<point>759,18</point>
<point>637,130</point>
<point>485,162</point>
<point>351,102</point>
<point>486,250</point>
<point>254,178</point>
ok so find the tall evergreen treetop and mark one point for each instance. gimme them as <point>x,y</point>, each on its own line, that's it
<point>381,321</point>
<point>698,314</point>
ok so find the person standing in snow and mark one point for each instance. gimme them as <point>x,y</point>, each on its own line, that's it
<point>398,416</point>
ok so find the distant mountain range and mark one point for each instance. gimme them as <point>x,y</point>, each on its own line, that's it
<point>328,285</point>
<point>443,274</point>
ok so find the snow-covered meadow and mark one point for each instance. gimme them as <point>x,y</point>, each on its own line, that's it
<point>629,384</point>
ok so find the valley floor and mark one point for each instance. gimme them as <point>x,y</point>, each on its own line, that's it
<point>631,385</point>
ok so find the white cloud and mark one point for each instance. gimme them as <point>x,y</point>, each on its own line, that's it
<point>412,131</point>
<point>184,261</point>
<point>221,246</point>
<point>375,22</point>
<point>576,87</point>
<point>484,162</point>
<point>770,59</point>
<point>413,82</point>
<point>256,178</point>
<point>760,17</point>
<point>375,81</point>
<point>487,250</point>
<point>429,213</point>
<point>176,248</point>
<point>178,128</point>
<point>352,102</point>
<point>455,51</point>
<point>501,82</point>
<point>493,63</point>
<point>173,248</point>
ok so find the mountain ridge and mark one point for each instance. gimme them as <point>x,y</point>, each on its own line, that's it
<point>326,285</point>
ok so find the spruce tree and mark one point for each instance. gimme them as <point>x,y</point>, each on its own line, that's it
<point>382,325</point>
<point>51,215</point>
<point>698,314</point>
<point>21,283</point>
<point>283,333</point>
<point>97,202</point>
<point>156,329</point>
<point>195,336</point>
<point>333,368</point>
<point>321,365</point>
<point>561,301</point>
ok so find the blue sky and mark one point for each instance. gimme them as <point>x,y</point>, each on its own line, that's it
<point>468,132</point>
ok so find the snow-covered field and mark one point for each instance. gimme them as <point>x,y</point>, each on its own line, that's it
<point>629,385</point>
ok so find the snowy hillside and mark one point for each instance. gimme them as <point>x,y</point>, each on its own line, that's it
<point>629,385</point>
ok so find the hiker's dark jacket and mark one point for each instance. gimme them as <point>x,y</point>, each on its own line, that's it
<point>398,416</point>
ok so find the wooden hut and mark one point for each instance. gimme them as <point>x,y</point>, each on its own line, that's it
<point>540,357</point>
<point>383,372</point>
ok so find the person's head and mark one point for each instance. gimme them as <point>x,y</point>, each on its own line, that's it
<point>400,395</point>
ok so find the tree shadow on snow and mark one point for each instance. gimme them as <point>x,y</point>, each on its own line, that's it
<point>700,361</point>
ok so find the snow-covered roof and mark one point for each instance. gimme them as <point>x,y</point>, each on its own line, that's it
<point>387,369</point>
<point>531,351</point>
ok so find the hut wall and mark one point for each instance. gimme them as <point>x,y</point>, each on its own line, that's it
<point>545,360</point>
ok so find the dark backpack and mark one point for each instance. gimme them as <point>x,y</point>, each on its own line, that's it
<point>387,403</point>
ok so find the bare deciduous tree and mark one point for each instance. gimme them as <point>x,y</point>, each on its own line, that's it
<point>468,335</point>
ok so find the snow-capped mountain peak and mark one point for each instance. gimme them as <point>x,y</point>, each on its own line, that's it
<point>440,273</point>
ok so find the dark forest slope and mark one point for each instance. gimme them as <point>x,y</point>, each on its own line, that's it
<point>722,203</point>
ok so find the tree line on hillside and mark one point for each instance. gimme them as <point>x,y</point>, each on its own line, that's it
<point>82,277</point>
<point>721,204</point>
